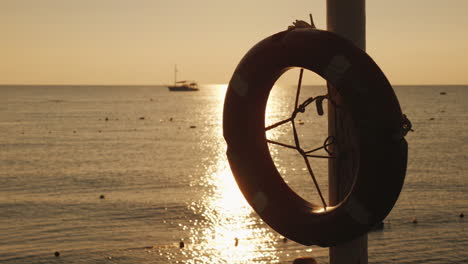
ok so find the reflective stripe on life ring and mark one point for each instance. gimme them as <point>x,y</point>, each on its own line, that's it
<point>376,115</point>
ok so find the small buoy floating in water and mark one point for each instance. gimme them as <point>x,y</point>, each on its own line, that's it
<point>181,244</point>
<point>461,215</point>
<point>57,254</point>
<point>236,243</point>
<point>414,220</point>
<point>101,196</point>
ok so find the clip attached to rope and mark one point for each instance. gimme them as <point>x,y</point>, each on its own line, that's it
<point>319,104</point>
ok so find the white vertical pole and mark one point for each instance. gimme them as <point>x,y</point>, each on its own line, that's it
<point>346,18</point>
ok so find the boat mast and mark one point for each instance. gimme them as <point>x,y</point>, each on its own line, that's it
<point>175,74</point>
<point>346,18</point>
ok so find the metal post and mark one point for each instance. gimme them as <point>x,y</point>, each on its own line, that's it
<point>346,18</point>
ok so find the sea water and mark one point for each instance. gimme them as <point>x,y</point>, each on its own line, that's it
<point>130,174</point>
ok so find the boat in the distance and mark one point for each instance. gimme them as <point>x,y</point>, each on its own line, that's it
<point>182,86</point>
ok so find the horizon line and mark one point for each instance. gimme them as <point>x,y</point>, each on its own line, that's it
<point>69,84</point>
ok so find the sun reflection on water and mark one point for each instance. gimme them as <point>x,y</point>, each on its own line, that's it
<point>229,230</point>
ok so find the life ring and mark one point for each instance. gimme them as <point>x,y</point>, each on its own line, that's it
<point>378,121</point>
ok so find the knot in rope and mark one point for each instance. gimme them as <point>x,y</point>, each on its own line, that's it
<point>302,24</point>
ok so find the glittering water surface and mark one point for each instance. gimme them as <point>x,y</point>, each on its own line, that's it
<point>158,159</point>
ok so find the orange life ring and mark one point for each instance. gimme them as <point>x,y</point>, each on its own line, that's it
<point>377,117</point>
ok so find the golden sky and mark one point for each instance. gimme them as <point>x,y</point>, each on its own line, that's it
<point>139,41</point>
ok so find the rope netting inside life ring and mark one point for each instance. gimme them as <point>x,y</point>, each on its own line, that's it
<point>310,153</point>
